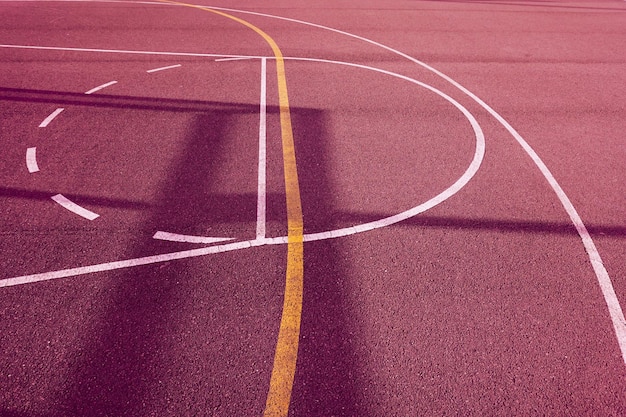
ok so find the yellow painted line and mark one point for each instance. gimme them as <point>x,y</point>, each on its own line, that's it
<point>285,357</point>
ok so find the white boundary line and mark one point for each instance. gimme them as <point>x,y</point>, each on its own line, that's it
<point>51,117</point>
<point>31,160</point>
<point>163,68</point>
<point>262,180</point>
<point>74,208</point>
<point>100,87</point>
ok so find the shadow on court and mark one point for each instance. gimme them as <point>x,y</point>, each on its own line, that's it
<point>325,382</point>
<point>197,336</point>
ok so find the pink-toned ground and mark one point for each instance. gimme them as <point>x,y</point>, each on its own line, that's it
<point>486,304</point>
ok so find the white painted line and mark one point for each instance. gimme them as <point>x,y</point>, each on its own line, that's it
<point>110,266</point>
<point>100,87</point>
<point>31,160</point>
<point>50,118</point>
<point>238,58</point>
<point>163,68</point>
<point>175,237</point>
<point>606,286</point>
<point>75,208</point>
<point>125,51</point>
<point>282,240</point>
<point>262,188</point>
<point>615,311</point>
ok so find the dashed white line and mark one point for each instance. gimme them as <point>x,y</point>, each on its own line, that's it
<point>163,68</point>
<point>175,237</point>
<point>100,87</point>
<point>75,208</point>
<point>262,192</point>
<point>51,117</point>
<point>31,160</point>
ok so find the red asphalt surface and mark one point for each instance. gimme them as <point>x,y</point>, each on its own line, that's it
<point>485,305</point>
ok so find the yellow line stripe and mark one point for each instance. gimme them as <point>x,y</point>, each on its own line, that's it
<point>284,369</point>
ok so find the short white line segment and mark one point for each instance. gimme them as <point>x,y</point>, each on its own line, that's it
<point>163,68</point>
<point>262,192</point>
<point>175,237</point>
<point>50,118</point>
<point>74,208</point>
<point>238,58</point>
<point>100,87</point>
<point>31,160</point>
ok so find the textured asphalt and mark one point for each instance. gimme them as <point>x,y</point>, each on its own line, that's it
<point>486,304</point>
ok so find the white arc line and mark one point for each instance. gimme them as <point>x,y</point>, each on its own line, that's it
<point>75,208</point>
<point>262,190</point>
<point>163,68</point>
<point>100,87</point>
<point>31,160</point>
<point>51,117</point>
<point>175,237</point>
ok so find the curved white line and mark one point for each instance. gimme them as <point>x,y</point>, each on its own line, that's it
<point>126,51</point>
<point>100,87</point>
<point>74,208</point>
<point>31,160</point>
<point>51,117</point>
<point>447,193</point>
<point>477,159</point>
<point>606,286</point>
<point>175,237</point>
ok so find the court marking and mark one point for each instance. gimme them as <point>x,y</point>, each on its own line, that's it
<point>51,117</point>
<point>101,87</point>
<point>124,51</point>
<point>176,237</point>
<point>74,208</point>
<point>151,71</point>
<point>615,311</point>
<point>387,221</point>
<point>262,166</point>
<point>604,280</point>
<point>31,160</point>
<point>286,351</point>
<point>239,58</point>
